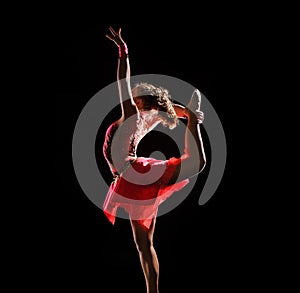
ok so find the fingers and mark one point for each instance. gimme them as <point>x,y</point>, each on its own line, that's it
<point>115,36</point>
<point>118,34</point>
<point>110,37</point>
<point>112,31</point>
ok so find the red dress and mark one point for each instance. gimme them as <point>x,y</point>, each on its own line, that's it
<point>144,182</point>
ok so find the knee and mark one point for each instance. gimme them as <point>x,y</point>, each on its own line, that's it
<point>143,245</point>
<point>194,165</point>
<point>202,165</point>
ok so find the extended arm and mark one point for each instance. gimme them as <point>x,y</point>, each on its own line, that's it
<point>123,75</point>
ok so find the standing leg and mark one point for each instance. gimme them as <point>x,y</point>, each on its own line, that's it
<point>143,239</point>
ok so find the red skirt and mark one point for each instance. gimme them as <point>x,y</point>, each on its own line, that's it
<point>142,188</point>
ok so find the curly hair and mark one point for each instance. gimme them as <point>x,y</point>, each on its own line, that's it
<point>157,98</point>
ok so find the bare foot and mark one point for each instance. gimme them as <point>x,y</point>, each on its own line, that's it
<point>193,107</point>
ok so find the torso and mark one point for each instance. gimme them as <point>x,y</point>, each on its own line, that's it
<point>125,143</point>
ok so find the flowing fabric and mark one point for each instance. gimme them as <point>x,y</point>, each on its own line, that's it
<point>141,188</point>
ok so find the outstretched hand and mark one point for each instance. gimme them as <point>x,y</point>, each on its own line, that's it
<point>115,37</point>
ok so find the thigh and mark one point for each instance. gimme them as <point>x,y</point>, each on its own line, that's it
<point>140,232</point>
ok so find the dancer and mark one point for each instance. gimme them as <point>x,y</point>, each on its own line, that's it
<point>141,184</point>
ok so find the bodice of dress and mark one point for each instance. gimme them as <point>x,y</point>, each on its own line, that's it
<point>146,122</point>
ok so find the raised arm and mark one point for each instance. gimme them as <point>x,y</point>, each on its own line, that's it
<point>123,75</point>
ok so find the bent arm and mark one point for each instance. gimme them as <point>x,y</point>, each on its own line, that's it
<point>179,110</point>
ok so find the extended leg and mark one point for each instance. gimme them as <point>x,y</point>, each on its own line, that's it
<point>193,160</point>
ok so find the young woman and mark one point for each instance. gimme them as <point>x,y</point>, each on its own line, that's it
<point>140,184</point>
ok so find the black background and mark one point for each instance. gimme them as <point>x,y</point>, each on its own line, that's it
<point>198,246</point>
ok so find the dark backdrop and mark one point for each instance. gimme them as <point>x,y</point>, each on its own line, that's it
<point>198,246</point>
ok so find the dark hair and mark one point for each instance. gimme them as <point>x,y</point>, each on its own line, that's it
<point>157,98</point>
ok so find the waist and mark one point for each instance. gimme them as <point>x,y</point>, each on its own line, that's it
<point>129,161</point>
